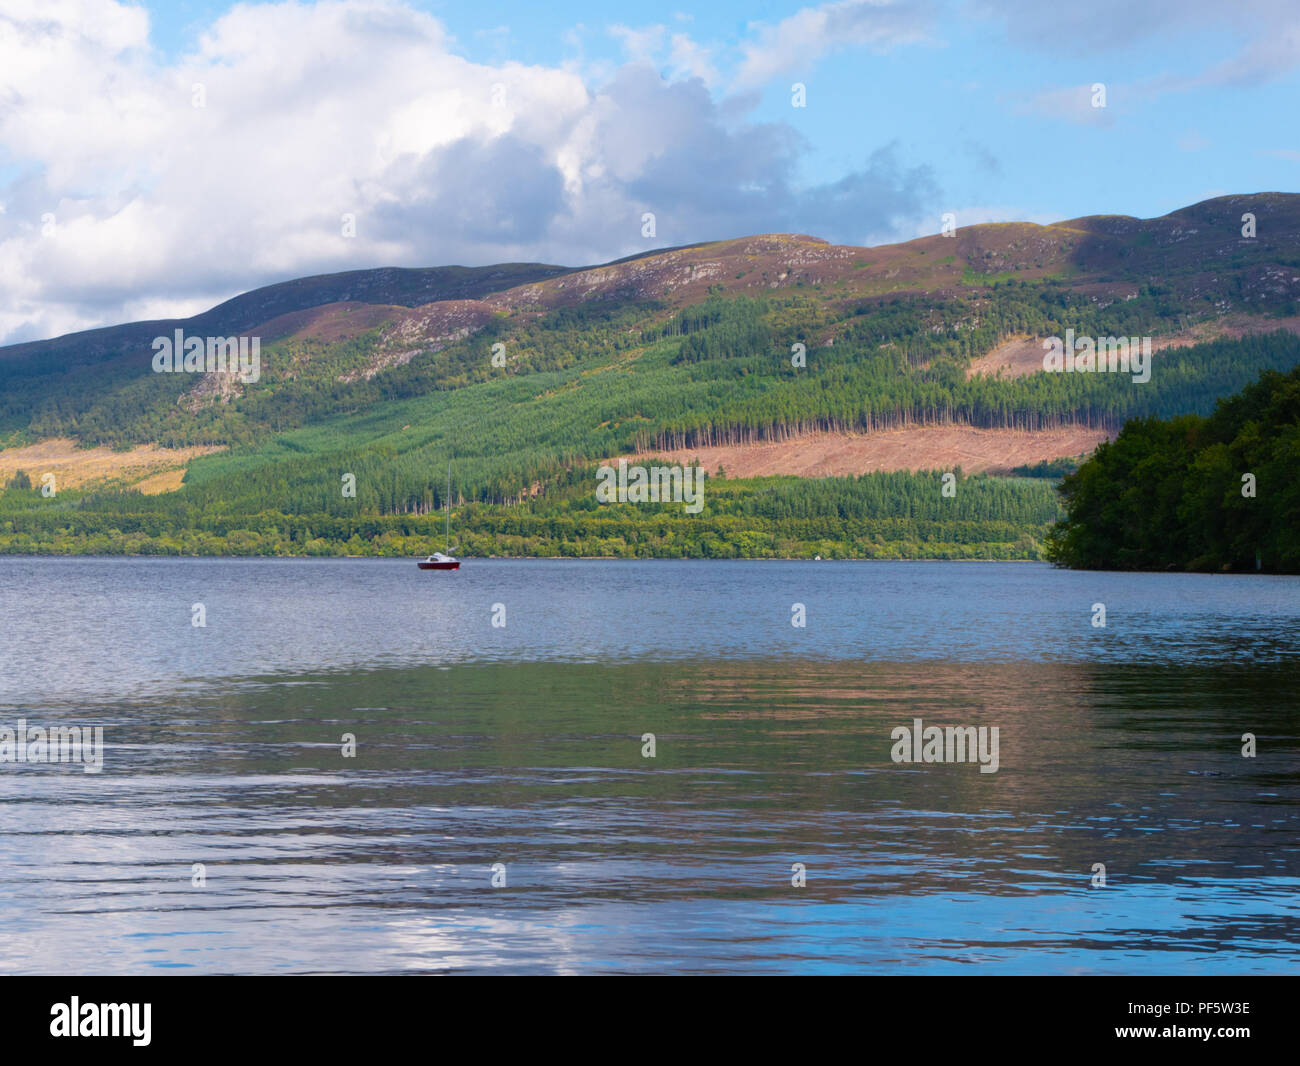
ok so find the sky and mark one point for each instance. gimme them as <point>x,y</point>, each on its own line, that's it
<point>158,158</point>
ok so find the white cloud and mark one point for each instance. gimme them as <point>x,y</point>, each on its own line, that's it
<point>641,45</point>
<point>795,43</point>
<point>1265,32</point>
<point>684,59</point>
<point>690,60</point>
<point>359,107</point>
<point>1073,103</point>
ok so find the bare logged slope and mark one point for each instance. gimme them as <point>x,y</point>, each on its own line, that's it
<point>75,467</point>
<point>1018,356</point>
<point>922,448</point>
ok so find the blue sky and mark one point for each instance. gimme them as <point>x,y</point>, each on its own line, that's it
<point>123,197</point>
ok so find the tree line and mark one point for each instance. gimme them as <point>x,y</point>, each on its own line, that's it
<point>1192,492</point>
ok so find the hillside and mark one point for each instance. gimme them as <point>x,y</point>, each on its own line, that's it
<point>387,374</point>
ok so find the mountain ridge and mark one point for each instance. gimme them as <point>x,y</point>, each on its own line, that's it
<point>539,285</point>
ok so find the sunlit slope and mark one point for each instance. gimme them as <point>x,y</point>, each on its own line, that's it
<point>520,371</point>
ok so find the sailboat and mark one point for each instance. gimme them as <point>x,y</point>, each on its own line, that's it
<point>440,560</point>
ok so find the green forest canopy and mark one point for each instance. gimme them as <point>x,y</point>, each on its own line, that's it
<point>1193,493</point>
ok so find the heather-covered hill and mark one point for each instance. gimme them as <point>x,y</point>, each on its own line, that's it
<point>527,375</point>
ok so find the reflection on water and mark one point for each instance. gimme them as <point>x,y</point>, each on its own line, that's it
<point>773,748</point>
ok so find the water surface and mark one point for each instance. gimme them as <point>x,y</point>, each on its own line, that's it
<point>522,745</point>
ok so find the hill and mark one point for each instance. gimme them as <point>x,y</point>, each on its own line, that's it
<point>527,375</point>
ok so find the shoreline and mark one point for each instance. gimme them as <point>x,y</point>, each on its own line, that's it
<point>522,558</point>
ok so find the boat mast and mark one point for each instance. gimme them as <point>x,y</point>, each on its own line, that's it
<point>449,507</point>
